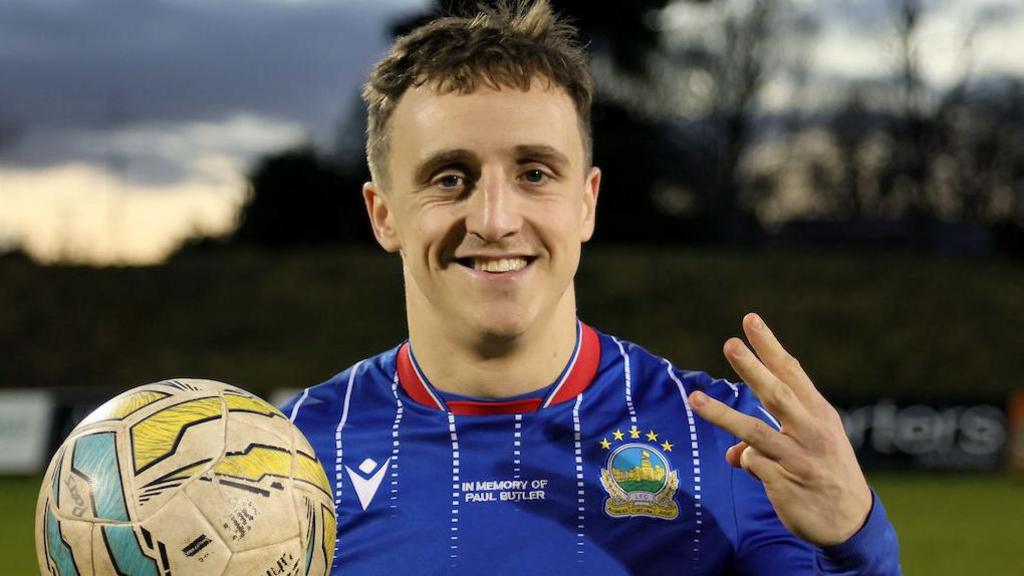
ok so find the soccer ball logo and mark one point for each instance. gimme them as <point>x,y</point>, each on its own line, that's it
<point>185,477</point>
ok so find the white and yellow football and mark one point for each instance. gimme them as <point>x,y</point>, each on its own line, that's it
<point>185,477</point>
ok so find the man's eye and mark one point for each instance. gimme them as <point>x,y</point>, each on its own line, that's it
<point>534,176</point>
<point>450,181</point>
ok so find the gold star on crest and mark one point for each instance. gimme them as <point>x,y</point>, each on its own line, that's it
<point>652,436</point>
<point>605,443</point>
<point>617,434</point>
<point>633,432</point>
<point>666,446</point>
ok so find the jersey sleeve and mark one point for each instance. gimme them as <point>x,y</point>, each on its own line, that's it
<point>765,547</point>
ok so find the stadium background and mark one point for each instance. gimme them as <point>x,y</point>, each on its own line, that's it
<point>853,170</point>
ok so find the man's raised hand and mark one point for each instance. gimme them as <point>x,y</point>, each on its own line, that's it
<point>809,470</point>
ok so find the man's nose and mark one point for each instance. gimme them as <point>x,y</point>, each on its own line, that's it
<point>494,209</point>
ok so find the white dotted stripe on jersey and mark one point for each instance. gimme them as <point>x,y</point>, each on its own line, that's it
<point>580,500</point>
<point>295,409</point>
<point>456,492</point>
<point>698,507</point>
<point>399,410</point>
<point>338,468</point>
<point>629,381</point>
<point>517,440</point>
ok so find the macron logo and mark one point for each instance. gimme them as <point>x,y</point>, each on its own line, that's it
<point>367,480</point>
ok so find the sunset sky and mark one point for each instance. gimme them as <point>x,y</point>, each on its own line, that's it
<point>126,126</point>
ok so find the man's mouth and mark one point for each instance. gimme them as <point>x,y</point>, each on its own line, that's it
<point>496,265</point>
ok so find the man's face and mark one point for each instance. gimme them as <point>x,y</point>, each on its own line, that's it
<point>489,201</point>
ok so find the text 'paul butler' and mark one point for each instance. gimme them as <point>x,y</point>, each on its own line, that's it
<point>504,490</point>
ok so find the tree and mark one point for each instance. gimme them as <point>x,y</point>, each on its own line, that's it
<point>298,197</point>
<point>714,64</point>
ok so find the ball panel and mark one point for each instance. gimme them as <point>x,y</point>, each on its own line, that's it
<point>198,385</point>
<point>318,532</point>
<point>154,494</point>
<point>311,482</point>
<point>184,539</point>
<point>328,536</point>
<point>284,559</point>
<point>254,453</point>
<point>308,468</point>
<point>254,462</point>
<point>124,405</point>
<point>95,460</point>
<point>102,562</point>
<point>309,471</point>
<point>175,444</point>
<point>125,551</point>
<point>66,547</point>
<point>69,489</point>
<point>307,539</point>
<point>246,514</point>
<point>274,427</point>
<point>160,434</point>
<point>53,476</point>
<point>238,400</point>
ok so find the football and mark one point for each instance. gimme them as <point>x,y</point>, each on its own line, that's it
<point>185,477</point>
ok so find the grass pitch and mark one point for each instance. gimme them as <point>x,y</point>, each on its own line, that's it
<point>948,525</point>
<point>17,539</point>
<point>956,524</point>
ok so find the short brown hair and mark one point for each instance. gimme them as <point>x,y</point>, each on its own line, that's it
<point>505,45</point>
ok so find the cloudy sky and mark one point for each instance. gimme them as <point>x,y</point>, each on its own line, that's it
<point>127,125</point>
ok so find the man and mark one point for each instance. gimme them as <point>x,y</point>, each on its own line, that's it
<point>508,437</point>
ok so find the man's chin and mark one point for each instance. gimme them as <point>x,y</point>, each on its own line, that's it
<point>502,326</point>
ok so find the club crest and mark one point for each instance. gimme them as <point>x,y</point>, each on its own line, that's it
<point>638,477</point>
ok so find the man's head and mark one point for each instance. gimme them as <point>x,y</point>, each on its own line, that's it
<point>507,46</point>
<point>480,155</point>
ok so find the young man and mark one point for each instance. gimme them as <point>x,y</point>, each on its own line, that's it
<point>506,436</point>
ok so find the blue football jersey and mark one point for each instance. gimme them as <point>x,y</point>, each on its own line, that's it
<point>606,471</point>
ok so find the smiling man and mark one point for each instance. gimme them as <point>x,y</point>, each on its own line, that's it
<point>488,197</point>
<point>508,437</point>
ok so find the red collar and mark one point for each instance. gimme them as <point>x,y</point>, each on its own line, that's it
<point>575,378</point>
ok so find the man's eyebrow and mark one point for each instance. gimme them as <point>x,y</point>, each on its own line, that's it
<point>426,168</point>
<point>541,152</point>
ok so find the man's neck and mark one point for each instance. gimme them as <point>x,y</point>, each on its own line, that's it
<point>485,366</point>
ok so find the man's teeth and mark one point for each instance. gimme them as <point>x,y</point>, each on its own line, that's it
<point>502,265</point>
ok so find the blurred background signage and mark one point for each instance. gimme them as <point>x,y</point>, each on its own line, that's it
<point>25,446</point>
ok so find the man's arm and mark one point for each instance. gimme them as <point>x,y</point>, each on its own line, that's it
<point>766,548</point>
<point>805,465</point>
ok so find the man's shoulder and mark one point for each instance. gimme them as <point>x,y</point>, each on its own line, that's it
<point>331,394</point>
<point>647,369</point>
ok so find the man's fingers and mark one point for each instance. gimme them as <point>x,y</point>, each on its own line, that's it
<point>741,455</point>
<point>773,393</point>
<point>732,455</point>
<point>780,362</point>
<point>764,469</point>
<point>747,428</point>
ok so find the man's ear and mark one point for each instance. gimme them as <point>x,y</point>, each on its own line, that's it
<point>591,188</point>
<point>381,217</point>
